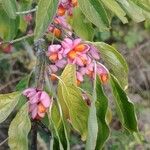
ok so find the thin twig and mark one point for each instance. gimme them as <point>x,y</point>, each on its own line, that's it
<point>18,40</point>
<point>3,142</point>
<point>26,12</point>
<point>9,83</point>
<point>40,71</point>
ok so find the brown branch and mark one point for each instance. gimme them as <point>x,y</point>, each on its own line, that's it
<point>40,71</point>
<point>9,83</point>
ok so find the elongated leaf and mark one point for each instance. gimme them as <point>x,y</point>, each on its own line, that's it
<point>45,14</point>
<point>143,4</point>
<point>10,7</point>
<point>95,12</point>
<point>114,61</point>
<point>25,82</point>
<point>134,11</point>
<point>92,125</point>
<point>55,115</point>
<point>22,84</point>
<point>101,106</point>
<point>81,26</point>
<point>115,8</point>
<point>8,26</point>
<point>24,5</point>
<point>56,137</point>
<point>98,130</point>
<point>70,81</point>
<point>57,122</point>
<point>60,134</point>
<point>71,96</point>
<point>7,104</point>
<point>124,105</point>
<point>19,130</point>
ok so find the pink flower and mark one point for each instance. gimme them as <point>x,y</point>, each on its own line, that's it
<point>75,51</point>
<point>88,70</point>
<point>39,102</point>
<point>29,92</point>
<point>66,6</point>
<point>61,21</point>
<point>79,76</point>
<point>78,53</point>
<point>102,72</point>
<point>55,52</point>
<point>94,53</point>
<point>69,44</point>
<point>60,64</point>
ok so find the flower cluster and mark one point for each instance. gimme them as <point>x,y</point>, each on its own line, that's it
<point>72,50</point>
<point>66,6</point>
<point>75,51</point>
<point>39,102</point>
<point>58,22</point>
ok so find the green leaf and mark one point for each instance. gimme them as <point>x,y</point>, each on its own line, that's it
<point>25,82</point>
<point>134,11</point>
<point>71,80</point>
<point>59,143</point>
<point>144,4</point>
<point>114,61</point>
<point>125,106</point>
<point>10,7</point>
<point>22,84</point>
<point>23,25</point>
<point>44,16</point>
<point>144,7</point>
<point>8,26</point>
<point>71,98</point>
<point>24,5</point>
<point>101,108</point>
<point>7,104</point>
<point>92,126</point>
<point>59,126</point>
<point>116,9</point>
<point>81,26</point>
<point>55,115</point>
<point>98,130</point>
<point>57,123</point>
<point>95,12</point>
<point>19,130</point>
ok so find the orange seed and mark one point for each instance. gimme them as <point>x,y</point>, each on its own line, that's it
<point>80,48</point>
<point>41,108</point>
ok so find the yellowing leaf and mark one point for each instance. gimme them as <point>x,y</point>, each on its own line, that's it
<point>19,130</point>
<point>7,104</point>
<point>72,99</point>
